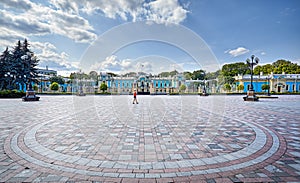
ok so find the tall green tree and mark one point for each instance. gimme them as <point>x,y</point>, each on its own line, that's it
<point>5,66</point>
<point>198,74</point>
<point>235,68</point>
<point>213,75</point>
<point>57,79</point>
<point>225,79</point>
<point>30,63</point>
<point>18,66</point>
<point>288,67</point>
<point>164,74</point>
<point>187,75</point>
<point>265,69</point>
<point>173,73</point>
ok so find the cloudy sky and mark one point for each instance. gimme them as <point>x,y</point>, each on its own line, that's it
<point>151,36</point>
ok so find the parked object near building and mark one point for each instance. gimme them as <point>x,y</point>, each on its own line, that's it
<point>30,95</point>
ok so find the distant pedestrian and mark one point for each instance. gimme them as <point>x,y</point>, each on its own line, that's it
<point>134,97</point>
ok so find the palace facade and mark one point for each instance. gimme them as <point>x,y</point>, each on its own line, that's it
<point>279,83</point>
<point>148,84</point>
<point>142,83</point>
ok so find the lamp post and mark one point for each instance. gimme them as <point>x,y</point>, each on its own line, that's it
<point>251,64</point>
<point>204,93</point>
<point>268,78</point>
<point>250,93</point>
<point>295,88</point>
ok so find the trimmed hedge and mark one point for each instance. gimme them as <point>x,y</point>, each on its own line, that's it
<point>174,93</point>
<point>103,93</point>
<point>12,94</point>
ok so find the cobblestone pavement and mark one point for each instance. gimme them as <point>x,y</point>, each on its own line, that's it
<point>161,139</point>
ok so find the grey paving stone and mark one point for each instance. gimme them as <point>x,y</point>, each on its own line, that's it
<point>171,165</point>
<point>183,174</point>
<point>115,175</point>
<point>52,178</point>
<point>158,165</point>
<point>127,175</point>
<point>164,175</point>
<point>107,164</point>
<point>152,176</point>
<point>86,139</point>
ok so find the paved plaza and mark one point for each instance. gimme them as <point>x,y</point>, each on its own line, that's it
<point>161,139</point>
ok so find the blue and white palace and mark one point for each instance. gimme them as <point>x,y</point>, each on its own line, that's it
<point>279,83</point>
<point>148,84</point>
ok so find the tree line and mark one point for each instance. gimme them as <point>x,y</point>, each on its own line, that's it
<point>228,71</point>
<point>18,66</point>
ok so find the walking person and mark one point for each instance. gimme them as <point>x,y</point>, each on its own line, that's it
<point>134,97</point>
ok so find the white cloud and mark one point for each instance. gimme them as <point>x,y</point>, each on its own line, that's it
<point>159,11</point>
<point>21,5</point>
<point>113,64</point>
<point>64,18</point>
<point>49,56</point>
<point>114,8</point>
<point>66,6</point>
<point>237,52</point>
<point>21,19</point>
<point>37,19</point>
<point>297,61</point>
<point>8,36</point>
<point>150,64</point>
<point>165,12</point>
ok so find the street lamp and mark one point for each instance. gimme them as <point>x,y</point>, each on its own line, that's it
<point>251,64</point>
<point>268,78</point>
<point>204,93</point>
<point>250,93</point>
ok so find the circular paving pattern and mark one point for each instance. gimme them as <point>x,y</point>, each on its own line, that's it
<point>160,139</point>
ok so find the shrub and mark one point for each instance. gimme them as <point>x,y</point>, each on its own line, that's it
<point>103,93</point>
<point>54,86</point>
<point>11,94</point>
<point>182,88</point>
<point>174,93</point>
<point>227,87</point>
<point>265,87</point>
<point>103,87</point>
<point>240,87</point>
<point>35,87</point>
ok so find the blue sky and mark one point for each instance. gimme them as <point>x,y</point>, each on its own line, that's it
<point>62,33</point>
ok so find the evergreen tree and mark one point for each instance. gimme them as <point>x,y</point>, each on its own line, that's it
<point>5,61</point>
<point>17,67</point>
<point>16,70</point>
<point>30,63</point>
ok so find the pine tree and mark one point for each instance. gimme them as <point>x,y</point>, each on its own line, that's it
<point>5,67</point>
<point>30,62</point>
<point>17,67</point>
